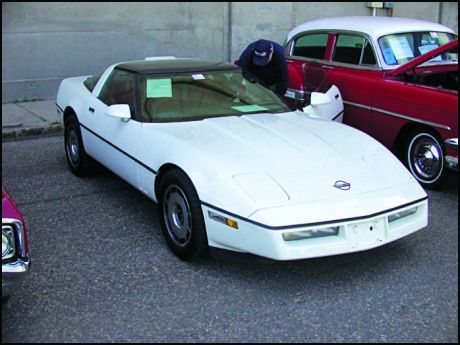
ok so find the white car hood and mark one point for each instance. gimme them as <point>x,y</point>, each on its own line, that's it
<point>283,159</point>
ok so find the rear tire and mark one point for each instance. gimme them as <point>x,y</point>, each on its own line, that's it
<point>424,157</point>
<point>79,162</point>
<point>181,217</point>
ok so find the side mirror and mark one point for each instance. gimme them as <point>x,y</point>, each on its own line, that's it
<point>326,106</point>
<point>318,98</point>
<point>120,111</point>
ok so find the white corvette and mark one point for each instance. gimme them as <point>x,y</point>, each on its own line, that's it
<point>232,167</point>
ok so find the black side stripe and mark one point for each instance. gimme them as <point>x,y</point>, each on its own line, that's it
<point>285,227</point>
<point>335,117</point>
<point>57,105</point>
<point>120,150</point>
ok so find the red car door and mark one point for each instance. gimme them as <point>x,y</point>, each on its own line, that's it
<point>306,56</point>
<point>352,67</point>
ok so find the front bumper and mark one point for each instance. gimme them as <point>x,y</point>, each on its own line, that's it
<point>13,273</point>
<point>452,160</point>
<point>353,235</point>
<point>15,269</point>
<point>295,98</point>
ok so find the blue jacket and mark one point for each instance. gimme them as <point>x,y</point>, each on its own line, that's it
<point>274,74</point>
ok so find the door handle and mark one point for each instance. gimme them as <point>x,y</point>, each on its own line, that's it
<point>91,109</point>
<point>327,67</point>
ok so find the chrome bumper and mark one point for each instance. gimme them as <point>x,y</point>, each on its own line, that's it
<point>297,95</point>
<point>13,273</point>
<point>451,161</point>
<point>14,270</point>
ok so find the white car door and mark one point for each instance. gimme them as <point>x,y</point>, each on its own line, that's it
<point>113,141</point>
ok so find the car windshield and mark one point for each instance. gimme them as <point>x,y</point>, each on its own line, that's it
<point>196,96</point>
<point>398,49</point>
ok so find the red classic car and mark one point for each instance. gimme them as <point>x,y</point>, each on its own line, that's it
<point>15,248</point>
<point>398,78</point>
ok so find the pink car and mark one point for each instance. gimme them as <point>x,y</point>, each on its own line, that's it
<point>398,78</point>
<point>15,249</point>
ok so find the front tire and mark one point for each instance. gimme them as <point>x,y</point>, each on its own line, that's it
<point>181,216</point>
<point>79,162</point>
<point>424,157</point>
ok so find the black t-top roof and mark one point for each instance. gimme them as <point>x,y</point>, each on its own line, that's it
<point>175,66</point>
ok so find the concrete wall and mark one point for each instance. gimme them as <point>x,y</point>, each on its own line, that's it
<point>43,42</point>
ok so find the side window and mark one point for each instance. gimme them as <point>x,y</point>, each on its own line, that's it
<point>368,57</point>
<point>310,46</point>
<point>119,89</point>
<point>354,50</point>
<point>91,82</point>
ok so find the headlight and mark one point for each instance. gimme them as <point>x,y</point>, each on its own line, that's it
<point>401,214</point>
<point>221,219</point>
<point>311,233</point>
<point>8,242</point>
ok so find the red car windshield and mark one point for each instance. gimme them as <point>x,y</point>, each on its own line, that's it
<point>397,49</point>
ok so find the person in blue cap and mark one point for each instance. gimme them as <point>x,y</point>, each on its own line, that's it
<point>265,59</point>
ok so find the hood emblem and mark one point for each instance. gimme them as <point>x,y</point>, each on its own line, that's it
<point>342,185</point>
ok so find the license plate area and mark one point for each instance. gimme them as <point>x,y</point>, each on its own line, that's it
<point>368,233</point>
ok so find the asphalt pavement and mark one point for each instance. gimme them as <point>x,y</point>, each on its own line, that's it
<point>22,120</point>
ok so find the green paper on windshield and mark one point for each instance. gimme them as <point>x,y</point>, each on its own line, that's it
<point>157,88</point>
<point>249,108</point>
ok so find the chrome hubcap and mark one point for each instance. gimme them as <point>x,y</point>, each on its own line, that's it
<point>177,216</point>
<point>72,147</point>
<point>426,158</point>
